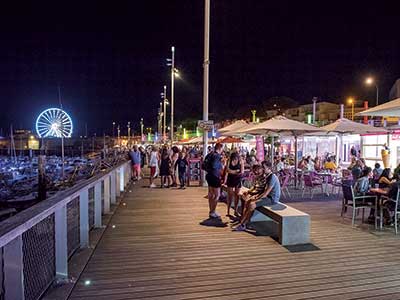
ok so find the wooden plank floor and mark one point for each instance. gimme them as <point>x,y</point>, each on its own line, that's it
<point>155,248</point>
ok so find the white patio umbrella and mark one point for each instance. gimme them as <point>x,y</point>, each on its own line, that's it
<point>239,131</point>
<point>388,109</point>
<point>234,126</point>
<point>345,126</point>
<point>283,125</point>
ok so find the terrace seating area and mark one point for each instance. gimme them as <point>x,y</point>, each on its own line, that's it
<point>160,245</point>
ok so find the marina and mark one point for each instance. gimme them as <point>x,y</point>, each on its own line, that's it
<point>19,177</point>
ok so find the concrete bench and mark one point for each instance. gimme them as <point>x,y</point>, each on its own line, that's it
<point>293,224</point>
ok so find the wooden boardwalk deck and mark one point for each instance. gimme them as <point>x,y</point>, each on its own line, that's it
<point>155,248</point>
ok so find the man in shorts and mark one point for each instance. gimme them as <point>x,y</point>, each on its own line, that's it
<point>266,191</point>
<point>136,160</point>
<point>213,178</point>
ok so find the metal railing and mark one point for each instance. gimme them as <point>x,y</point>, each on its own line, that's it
<point>35,244</point>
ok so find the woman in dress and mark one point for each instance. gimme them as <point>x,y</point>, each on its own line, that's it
<point>233,177</point>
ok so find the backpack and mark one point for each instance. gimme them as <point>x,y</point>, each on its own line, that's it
<point>206,165</point>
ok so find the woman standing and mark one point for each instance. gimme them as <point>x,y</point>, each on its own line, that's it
<point>174,157</point>
<point>165,168</point>
<point>233,177</point>
<point>153,165</point>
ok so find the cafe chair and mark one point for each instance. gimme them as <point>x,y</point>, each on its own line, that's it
<point>310,184</point>
<point>285,180</point>
<point>395,203</point>
<point>357,202</point>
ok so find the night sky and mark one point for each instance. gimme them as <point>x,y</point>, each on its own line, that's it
<point>110,59</point>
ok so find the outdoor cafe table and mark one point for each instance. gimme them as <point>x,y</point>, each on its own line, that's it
<point>380,192</point>
<point>325,175</point>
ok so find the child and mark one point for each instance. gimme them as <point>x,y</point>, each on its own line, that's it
<point>182,164</point>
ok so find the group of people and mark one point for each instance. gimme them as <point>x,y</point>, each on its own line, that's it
<point>224,169</point>
<point>307,163</point>
<point>265,189</point>
<point>364,178</point>
<point>168,163</point>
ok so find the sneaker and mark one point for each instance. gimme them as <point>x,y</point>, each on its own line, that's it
<point>139,178</point>
<point>240,227</point>
<point>214,215</point>
<point>152,185</point>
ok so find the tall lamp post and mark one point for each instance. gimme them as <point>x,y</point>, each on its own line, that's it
<point>113,133</point>
<point>351,102</point>
<point>371,81</point>
<point>206,65</point>
<point>160,116</point>
<point>165,113</point>
<point>172,91</point>
<point>141,129</point>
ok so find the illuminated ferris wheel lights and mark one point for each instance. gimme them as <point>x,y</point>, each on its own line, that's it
<point>54,122</point>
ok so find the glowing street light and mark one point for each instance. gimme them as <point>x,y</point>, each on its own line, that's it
<point>174,74</point>
<point>351,101</point>
<point>371,81</point>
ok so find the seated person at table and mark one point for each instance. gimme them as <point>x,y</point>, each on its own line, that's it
<point>389,206</point>
<point>302,164</point>
<point>280,166</point>
<point>310,164</point>
<point>317,164</point>
<point>267,191</point>
<point>396,172</point>
<point>385,180</point>
<point>330,165</point>
<point>377,172</point>
<point>361,186</point>
<point>353,162</point>
<point>356,171</point>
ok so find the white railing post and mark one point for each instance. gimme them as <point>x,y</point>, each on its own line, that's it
<point>84,217</point>
<point>113,180</point>
<point>118,180</point>
<point>129,174</point>
<point>61,241</point>
<point>97,204</point>
<point>122,178</point>
<point>14,270</point>
<point>107,194</point>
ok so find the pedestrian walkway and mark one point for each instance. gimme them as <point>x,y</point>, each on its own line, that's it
<point>155,248</point>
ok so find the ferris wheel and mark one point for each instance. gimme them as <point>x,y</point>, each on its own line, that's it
<point>54,122</point>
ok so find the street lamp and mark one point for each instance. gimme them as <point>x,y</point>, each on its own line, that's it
<point>371,81</point>
<point>160,116</point>
<point>165,102</point>
<point>174,74</point>
<point>113,133</point>
<point>141,129</point>
<point>206,65</point>
<point>172,91</point>
<point>351,102</point>
<point>118,132</point>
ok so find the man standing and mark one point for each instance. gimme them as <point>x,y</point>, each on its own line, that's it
<point>270,196</point>
<point>213,167</point>
<point>136,161</point>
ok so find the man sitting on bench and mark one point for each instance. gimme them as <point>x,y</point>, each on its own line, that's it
<point>266,191</point>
